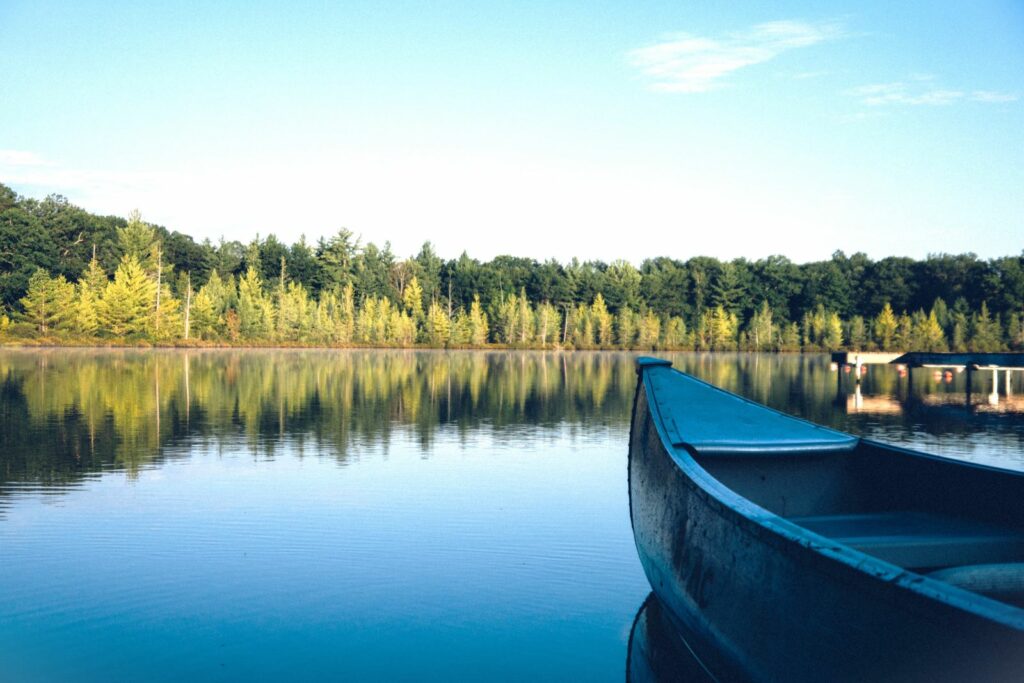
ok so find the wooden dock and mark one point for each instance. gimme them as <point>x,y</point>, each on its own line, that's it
<point>858,358</point>
<point>970,361</point>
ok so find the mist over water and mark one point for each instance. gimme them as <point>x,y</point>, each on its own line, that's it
<point>367,514</point>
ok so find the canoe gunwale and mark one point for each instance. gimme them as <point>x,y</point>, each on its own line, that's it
<point>830,555</point>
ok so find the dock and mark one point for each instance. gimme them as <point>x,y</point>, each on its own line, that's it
<point>968,361</point>
<point>858,359</point>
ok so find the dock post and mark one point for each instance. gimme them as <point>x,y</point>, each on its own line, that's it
<point>993,398</point>
<point>970,373</point>
<point>856,371</point>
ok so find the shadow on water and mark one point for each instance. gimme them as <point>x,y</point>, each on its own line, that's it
<point>658,651</point>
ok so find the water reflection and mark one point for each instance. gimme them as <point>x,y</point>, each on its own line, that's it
<point>657,652</point>
<point>66,414</point>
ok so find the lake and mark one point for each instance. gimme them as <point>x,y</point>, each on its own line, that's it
<point>366,514</point>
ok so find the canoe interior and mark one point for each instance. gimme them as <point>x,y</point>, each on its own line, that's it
<point>922,513</point>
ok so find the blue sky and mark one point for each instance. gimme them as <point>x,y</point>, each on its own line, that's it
<point>546,129</point>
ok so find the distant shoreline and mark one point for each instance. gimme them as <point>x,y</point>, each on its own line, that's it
<point>29,344</point>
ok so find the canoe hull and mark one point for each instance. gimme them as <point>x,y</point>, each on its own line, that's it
<point>760,606</point>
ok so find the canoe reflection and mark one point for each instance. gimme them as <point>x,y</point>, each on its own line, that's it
<point>658,651</point>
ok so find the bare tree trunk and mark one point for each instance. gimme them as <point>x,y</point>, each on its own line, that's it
<point>188,304</point>
<point>159,275</point>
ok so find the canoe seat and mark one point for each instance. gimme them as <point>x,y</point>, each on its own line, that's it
<point>919,540</point>
<point>1003,582</point>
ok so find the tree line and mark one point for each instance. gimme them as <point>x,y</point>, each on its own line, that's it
<point>67,275</point>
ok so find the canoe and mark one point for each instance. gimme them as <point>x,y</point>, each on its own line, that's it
<point>788,551</point>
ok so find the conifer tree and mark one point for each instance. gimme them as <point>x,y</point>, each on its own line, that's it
<point>833,332</point>
<point>675,336</point>
<point>1015,331</point>
<point>477,323</point>
<point>790,338</point>
<point>127,301</point>
<point>48,303</point>
<point>602,321</point>
<point>985,332</point>
<point>506,318</point>
<point>347,314</point>
<point>203,318</point>
<point>524,317</point>
<point>723,328</point>
<point>86,319</point>
<point>94,278</point>
<point>885,328</point>
<point>904,337</point>
<point>412,297</point>
<point>857,334</point>
<point>548,324</point>
<point>648,330</point>
<point>255,315</point>
<point>761,329</point>
<point>438,326</point>
<point>928,335</point>
<point>626,324</point>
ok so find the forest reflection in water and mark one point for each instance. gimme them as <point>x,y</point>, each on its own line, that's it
<point>66,413</point>
<point>369,514</point>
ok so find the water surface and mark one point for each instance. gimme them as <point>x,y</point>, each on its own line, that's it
<point>224,515</point>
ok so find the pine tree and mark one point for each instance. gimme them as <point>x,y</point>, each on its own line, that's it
<point>524,333</point>
<point>726,326</point>
<point>412,297</point>
<point>347,314</point>
<point>648,330</point>
<point>127,301</point>
<point>94,278</point>
<point>885,328</point>
<point>506,318</point>
<point>49,302</point>
<point>203,319</point>
<point>1015,331</point>
<point>477,322</point>
<point>253,307</point>
<point>136,239</point>
<point>438,329</point>
<point>602,321</point>
<point>625,328</point>
<point>165,321</point>
<point>365,317</point>
<point>675,336</point>
<point>86,320</point>
<point>928,335</point>
<point>761,329</point>
<point>857,334</point>
<point>790,338</point>
<point>904,337</point>
<point>548,324</point>
<point>985,332</point>
<point>833,332</point>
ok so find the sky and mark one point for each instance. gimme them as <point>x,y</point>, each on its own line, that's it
<point>544,129</point>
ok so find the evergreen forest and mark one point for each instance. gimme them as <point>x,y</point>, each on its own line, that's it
<point>68,276</point>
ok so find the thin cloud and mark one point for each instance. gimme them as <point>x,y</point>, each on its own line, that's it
<point>902,93</point>
<point>685,63</point>
<point>18,157</point>
<point>993,96</point>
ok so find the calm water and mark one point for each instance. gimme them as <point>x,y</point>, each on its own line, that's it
<point>366,514</point>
